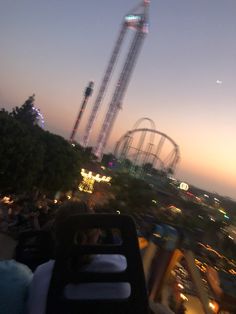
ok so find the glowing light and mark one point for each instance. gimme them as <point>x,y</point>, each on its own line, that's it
<point>211,305</point>
<point>201,266</point>
<point>6,200</point>
<point>154,201</point>
<point>55,201</point>
<point>40,118</point>
<point>132,18</point>
<point>209,248</point>
<point>87,185</point>
<point>183,186</point>
<point>157,235</point>
<point>222,211</point>
<point>118,212</point>
<point>175,209</point>
<point>180,286</point>
<point>183,297</point>
<point>232,271</point>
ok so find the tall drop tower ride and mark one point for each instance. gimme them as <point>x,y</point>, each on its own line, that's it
<point>87,94</point>
<point>137,21</point>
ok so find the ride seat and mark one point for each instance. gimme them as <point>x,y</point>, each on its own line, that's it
<point>133,275</point>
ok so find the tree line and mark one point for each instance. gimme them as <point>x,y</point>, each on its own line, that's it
<point>33,159</point>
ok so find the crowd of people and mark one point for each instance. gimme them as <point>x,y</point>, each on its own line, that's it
<point>24,214</point>
<point>24,289</point>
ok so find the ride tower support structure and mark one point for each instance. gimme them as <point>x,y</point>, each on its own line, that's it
<point>138,22</point>
<point>88,92</point>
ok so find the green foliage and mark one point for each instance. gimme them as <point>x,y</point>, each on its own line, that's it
<point>21,155</point>
<point>85,154</point>
<point>31,158</point>
<point>60,164</point>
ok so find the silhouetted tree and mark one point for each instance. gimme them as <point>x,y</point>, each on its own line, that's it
<point>148,167</point>
<point>26,113</point>
<point>107,159</point>
<point>31,158</point>
<point>21,155</point>
<point>61,166</point>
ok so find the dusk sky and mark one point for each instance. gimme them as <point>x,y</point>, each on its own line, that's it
<point>184,79</point>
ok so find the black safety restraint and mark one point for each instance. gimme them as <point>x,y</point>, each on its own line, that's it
<point>136,303</point>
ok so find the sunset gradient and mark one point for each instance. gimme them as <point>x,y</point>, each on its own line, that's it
<point>54,48</point>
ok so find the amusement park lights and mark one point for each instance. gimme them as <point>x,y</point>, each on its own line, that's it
<point>87,185</point>
<point>132,17</point>
<point>40,117</point>
<point>183,186</point>
<point>6,200</point>
<point>183,297</point>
